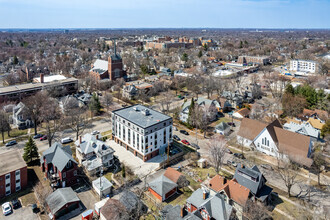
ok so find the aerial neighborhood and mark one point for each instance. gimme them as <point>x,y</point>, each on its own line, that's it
<point>170,124</point>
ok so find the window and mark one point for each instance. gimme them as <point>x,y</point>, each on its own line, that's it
<point>8,184</point>
<point>17,173</point>
<point>18,188</point>
<point>7,176</point>
<point>7,192</point>
<point>64,175</point>
<point>164,123</point>
<point>75,173</point>
<point>68,165</point>
<point>17,181</point>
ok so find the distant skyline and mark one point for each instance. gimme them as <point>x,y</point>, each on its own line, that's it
<point>295,14</point>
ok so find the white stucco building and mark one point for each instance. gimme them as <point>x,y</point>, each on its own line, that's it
<point>303,66</point>
<point>143,131</point>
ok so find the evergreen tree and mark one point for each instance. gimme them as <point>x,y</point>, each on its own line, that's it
<point>30,150</point>
<point>95,105</point>
<point>200,54</point>
<point>326,129</point>
<point>289,89</point>
<point>184,57</point>
<point>15,60</point>
<point>123,172</point>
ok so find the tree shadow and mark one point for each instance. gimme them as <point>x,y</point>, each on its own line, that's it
<point>275,200</point>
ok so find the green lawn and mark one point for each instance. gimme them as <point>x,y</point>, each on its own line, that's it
<point>180,198</point>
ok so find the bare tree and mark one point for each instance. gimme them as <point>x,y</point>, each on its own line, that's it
<point>34,105</point>
<point>319,164</point>
<point>42,193</point>
<point>256,211</point>
<point>52,117</point>
<point>4,124</point>
<point>216,151</point>
<point>75,117</point>
<point>288,172</point>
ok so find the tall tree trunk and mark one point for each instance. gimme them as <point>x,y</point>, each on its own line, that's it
<point>35,127</point>
<point>3,137</point>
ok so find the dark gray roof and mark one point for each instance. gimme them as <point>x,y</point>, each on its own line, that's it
<point>162,185</point>
<point>59,156</point>
<point>264,193</point>
<point>214,205</point>
<point>60,198</point>
<point>130,201</point>
<point>251,178</point>
<point>222,126</point>
<point>174,213</point>
<point>136,114</point>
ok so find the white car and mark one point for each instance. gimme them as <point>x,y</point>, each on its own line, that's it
<point>6,208</point>
<point>66,140</point>
<point>95,132</point>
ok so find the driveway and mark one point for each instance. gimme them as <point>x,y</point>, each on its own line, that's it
<point>24,213</point>
<point>137,165</point>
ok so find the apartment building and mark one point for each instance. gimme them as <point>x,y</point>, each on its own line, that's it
<point>263,60</point>
<point>143,131</point>
<point>303,66</point>
<point>13,173</point>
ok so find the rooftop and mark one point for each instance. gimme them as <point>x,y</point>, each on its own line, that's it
<point>50,78</point>
<point>11,161</point>
<point>141,115</point>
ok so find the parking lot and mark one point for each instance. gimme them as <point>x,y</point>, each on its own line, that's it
<point>23,213</point>
<point>137,165</point>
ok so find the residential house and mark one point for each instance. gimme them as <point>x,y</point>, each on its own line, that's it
<point>13,173</point>
<point>21,119</point>
<point>304,129</point>
<point>59,166</point>
<point>132,89</point>
<point>222,128</point>
<point>233,193</point>
<point>273,140</point>
<point>211,108</point>
<point>93,153</point>
<point>242,113</point>
<point>61,202</point>
<point>143,131</point>
<point>234,98</point>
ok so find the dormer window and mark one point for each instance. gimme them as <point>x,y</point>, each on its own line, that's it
<point>69,164</point>
<point>204,214</point>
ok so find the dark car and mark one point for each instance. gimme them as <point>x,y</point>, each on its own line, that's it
<point>34,208</point>
<point>184,132</point>
<point>15,203</point>
<point>37,136</point>
<point>195,146</point>
<point>10,143</point>
<point>239,155</point>
<point>231,124</point>
<point>43,138</point>
<point>175,137</point>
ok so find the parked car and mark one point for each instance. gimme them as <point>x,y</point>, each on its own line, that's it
<point>231,124</point>
<point>66,140</point>
<point>37,136</point>
<point>6,208</point>
<point>185,142</point>
<point>95,132</point>
<point>229,151</point>
<point>239,155</point>
<point>267,166</point>
<point>175,128</point>
<point>15,203</point>
<point>10,143</point>
<point>175,137</point>
<point>195,146</point>
<point>234,164</point>
<point>43,138</point>
<point>184,132</point>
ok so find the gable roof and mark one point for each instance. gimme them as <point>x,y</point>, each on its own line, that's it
<point>303,128</point>
<point>222,126</point>
<point>114,210</point>
<point>316,123</point>
<point>100,66</point>
<point>201,101</point>
<point>172,174</point>
<point>244,112</point>
<point>250,128</point>
<point>91,144</point>
<point>237,192</point>
<point>162,185</point>
<point>217,183</point>
<point>251,178</point>
<point>59,198</point>
<point>57,155</point>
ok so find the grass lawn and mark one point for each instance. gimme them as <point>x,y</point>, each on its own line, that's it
<point>180,198</point>
<point>106,133</point>
<point>108,176</point>
<point>203,173</point>
<point>147,217</point>
<point>195,185</point>
<point>26,196</point>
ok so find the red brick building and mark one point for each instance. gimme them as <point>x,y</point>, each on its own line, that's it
<point>13,173</point>
<point>59,166</point>
<point>111,69</point>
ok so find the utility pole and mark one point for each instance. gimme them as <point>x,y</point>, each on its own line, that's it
<point>168,152</point>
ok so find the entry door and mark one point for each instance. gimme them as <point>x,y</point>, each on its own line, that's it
<point>63,184</point>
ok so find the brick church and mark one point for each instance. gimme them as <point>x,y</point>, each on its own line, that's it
<point>111,69</point>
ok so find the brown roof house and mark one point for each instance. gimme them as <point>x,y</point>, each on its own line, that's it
<point>273,140</point>
<point>242,113</point>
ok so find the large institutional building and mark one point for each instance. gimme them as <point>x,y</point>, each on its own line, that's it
<point>303,66</point>
<point>143,131</point>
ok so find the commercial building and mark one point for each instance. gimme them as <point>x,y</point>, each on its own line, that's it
<point>263,60</point>
<point>143,131</point>
<point>303,66</point>
<point>17,93</point>
<point>13,173</point>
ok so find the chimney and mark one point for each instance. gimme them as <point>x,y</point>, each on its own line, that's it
<point>80,139</point>
<point>182,214</point>
<point>41,77</point>
<point>97,136</point>
<point>204,194</point>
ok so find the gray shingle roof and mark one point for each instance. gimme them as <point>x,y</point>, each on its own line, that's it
<point>59,156</point>
<point>135,114</point>
<point>245,176</point>
<point>162,185</point>
<point>90,144</point>
<point>60,197</point>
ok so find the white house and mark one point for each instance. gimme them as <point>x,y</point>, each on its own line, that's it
<point>222,128</point>
<point>207,104</point>
<point>143,131</point>
<point>273,140</point>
